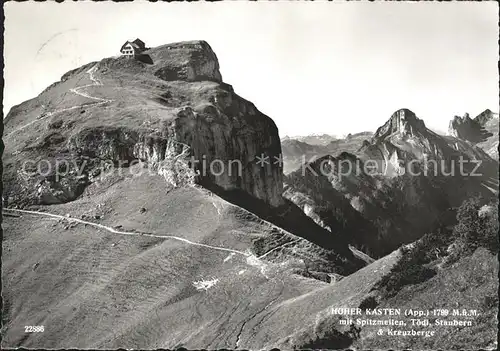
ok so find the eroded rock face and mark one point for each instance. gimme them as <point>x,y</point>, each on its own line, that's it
<point>228,147</point>
<point>107,143</point>
<point>404,136</point>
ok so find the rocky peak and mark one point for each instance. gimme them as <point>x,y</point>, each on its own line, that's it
<point>404,134</point>
<point>485,116</point>
<point>459,126</point>
<point>402,123</point>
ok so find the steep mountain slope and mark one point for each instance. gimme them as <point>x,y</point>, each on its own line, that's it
<point>481,131</point>
<point>452,274</point>
<point>170,262</point>
<point>328,207</point>
<point>404,174</point>
<point>470,285</point>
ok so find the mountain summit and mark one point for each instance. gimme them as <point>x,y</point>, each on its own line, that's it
<point>135,109</point>
<point>403,123</point>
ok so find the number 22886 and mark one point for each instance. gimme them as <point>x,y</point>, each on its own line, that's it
<point>34,328</point>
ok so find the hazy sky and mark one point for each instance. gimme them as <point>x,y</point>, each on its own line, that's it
<point>314,67</point>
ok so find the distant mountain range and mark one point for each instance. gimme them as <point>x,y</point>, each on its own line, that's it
<point>297,151</point>
<point>313,139</point>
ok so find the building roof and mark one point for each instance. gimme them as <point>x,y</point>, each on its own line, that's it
<point>137,45</point>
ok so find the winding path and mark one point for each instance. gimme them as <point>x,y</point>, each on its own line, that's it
<point>100,101</point>
<point>112,230</point>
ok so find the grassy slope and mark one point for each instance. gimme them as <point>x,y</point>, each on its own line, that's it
<point>467,284</point>
<point>92,288</point>
<point>96,289</point>
<point>307,319</point>
<point>27,114</point>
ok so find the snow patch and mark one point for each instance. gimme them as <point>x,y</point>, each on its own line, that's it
<point>229,257</point>
<point>254,261</point>
<point>205,284</point>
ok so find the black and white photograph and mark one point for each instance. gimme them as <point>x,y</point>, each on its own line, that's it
<point>250,175</point>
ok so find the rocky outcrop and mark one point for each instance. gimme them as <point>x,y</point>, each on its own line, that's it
<point>188,61</point>
<point>191,61</point>
<point>223,153</point>
<point>105,142</point>
<point>407,135</point>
